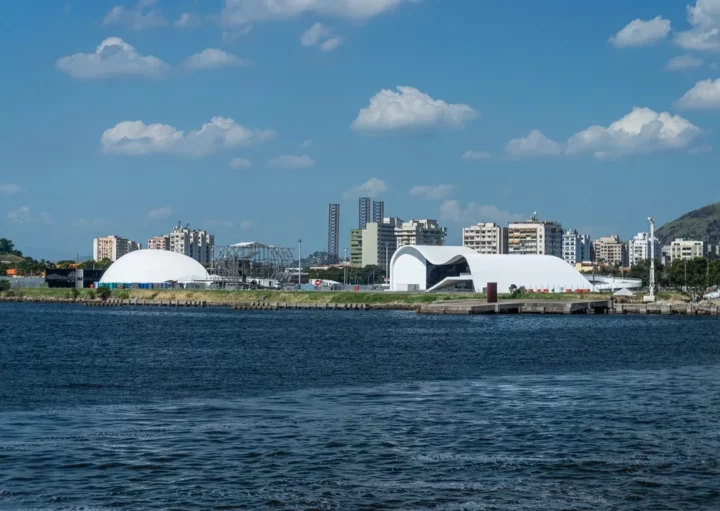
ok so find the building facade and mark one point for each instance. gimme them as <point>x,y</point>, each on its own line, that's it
<point>159,243</point>
<point>356,236</point>
<point>639,248</point>
<point>420,232</point>
<point>535,237</point>
<point>486,238</point>
<point>683,250</point>
<point>610,250</point>
<point>334,233</point>
<point>113,247</point>
<point>378,244</point>
<point>364,212</point>
<point>586,249</point>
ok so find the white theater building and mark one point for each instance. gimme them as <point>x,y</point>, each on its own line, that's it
<point>430,268</point>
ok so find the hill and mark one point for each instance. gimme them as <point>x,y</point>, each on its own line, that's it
<point>4,256</point>
<point>701,224</point>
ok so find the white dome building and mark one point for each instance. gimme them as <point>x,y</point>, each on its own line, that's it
<point>154,267</point>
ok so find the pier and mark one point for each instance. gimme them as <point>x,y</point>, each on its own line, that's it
<point>518,307</point>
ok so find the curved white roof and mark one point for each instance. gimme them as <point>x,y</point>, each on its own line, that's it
<point>154,267</point>
<point>536,272</point>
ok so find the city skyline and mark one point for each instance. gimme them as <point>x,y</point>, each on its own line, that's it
<point>156,110</point>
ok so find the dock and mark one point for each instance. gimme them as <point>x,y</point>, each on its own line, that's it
<point>471,307</point>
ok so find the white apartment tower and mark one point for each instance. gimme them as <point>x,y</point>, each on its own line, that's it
<point>420,232</point>
<point>572,248</point>
<point>639,248</point>
<point>535,237</point>
<point>486,238</point>
<point>198,244</point>
<point>113,247</point>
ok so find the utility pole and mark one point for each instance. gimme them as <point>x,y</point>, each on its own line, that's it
<point>299,264</point>
<point>345,267</point>
<point>650,297</point>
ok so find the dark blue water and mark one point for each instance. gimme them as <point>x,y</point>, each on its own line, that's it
<point>215,409</point>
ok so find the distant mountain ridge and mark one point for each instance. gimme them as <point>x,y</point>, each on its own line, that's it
<point>701,224</point>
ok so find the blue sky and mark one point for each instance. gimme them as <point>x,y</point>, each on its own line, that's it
<point>247,117</point>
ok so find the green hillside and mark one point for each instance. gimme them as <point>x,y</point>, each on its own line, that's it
<point>701,224</point>
<point>4,256</point>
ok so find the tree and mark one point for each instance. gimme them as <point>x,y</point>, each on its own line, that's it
<point>6,246</point>
<point>104,293</point>
<point>694,275</point>
<point>4,285</point>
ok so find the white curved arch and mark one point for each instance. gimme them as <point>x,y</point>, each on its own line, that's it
<point>408,270</point>
<point>154,267</point>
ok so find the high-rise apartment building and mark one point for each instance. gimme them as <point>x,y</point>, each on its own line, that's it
<point>159,243</point>
<point>420,232</point>
<point>334,233</point>
<point>378,244</point>
<point>684,250</point>
<point>364,212</point>
<point>113,247</point>
<point>378,211</point>
<point>639,248</point>
<point>486,238</point>
<point>610,250</point>
<point>572,247</point>
<point>198,244</point>
<point>535,237</point>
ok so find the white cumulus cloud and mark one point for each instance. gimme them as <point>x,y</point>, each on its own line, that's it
<point>684,62</point>
<point>242,12</point>
<point>534,145</point>
<point>113,57</point>
<point>408,108</point>
<point>214,58</point>
<point>240,163</point>
<point>23,215</point>
<point>188,20</point>
<point>291,161</point>
<point>641,33</point>
<point>432,192</point>
<point>370,188</point>
<point>160,213</point>
<point>142,16</point>
<point>322,36</point>
<point>475,155</point>
<point>454,211</point>
<point>641,131</point>
<point>9,189</point>
<point>704,17</point>
<point>135,138</point>
<point>705,95</point>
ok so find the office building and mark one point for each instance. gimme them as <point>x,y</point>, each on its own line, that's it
<point>639,248</point>
<point>364,212</point>
<point>113,247</point>
<point>334,233</point>
<point>610,250</point>
<point>535,237</point>
<point>159,243</point>
<point>378,211</point>
<point>683,250</point>
<point>420,232</point>
<point>486,238</point>
<point>378,244</point>
<point>666,257</point>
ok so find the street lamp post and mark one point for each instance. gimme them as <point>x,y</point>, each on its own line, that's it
<point>651,283</point>
<point>345,268</point>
